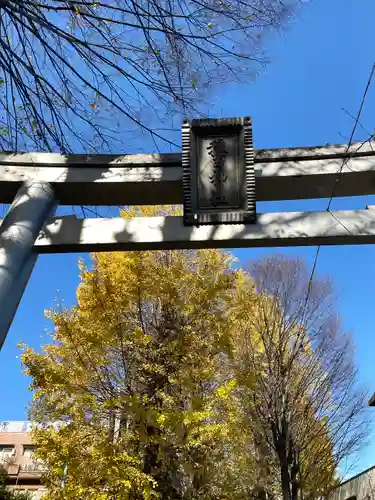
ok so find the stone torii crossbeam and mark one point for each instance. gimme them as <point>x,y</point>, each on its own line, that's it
<point>35,183</point>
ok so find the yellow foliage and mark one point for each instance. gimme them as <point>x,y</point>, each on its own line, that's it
<point>132,373</point>
<point>224,391</point>
<point>151,211</point>
<point>148,377</point>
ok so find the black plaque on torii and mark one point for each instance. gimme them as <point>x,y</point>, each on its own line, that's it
<point>218,171</point>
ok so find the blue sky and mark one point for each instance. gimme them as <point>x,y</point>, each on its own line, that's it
<point>318,67</point>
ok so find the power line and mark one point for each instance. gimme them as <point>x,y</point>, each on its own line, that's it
<point>348,156</point>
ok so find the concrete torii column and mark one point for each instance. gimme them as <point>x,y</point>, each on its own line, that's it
<point>33,204</point>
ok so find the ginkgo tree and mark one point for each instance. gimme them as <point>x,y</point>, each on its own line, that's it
<point>135,378</point>
<point>177,375</point>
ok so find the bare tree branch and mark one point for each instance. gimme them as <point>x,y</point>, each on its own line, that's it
<point>75,74</point>
<point>306,405</point>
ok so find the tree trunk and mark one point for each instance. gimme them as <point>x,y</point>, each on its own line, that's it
<point>284,474</point>
<point>294,479</point>
<point>151,454</point>
<point>282,453</point>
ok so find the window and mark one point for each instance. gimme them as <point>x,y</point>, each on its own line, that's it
<point>6,452</point>
<point>32,463</point>
<point>28,451</point>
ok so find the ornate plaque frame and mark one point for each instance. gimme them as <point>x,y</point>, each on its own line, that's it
<point>218,171</point>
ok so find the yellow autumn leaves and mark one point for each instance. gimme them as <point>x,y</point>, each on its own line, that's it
<point>144,376</point>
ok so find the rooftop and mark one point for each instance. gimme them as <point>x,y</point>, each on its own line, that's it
<point>15,426</point>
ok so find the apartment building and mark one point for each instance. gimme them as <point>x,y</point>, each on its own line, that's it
<point>358,487</point>
<point>17,458</point>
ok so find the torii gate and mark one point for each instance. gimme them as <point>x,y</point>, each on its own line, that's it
<point>35,183</point>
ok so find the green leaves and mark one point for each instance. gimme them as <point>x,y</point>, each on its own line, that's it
<point>4,131</point>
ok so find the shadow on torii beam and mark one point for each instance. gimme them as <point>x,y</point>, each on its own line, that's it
<point>149,179</point>
<point>345,227</point>
<point>283,174</point>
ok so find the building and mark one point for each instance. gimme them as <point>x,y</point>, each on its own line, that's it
<point>17,458</point>
<point>24,471</point>
<point>359,487</point>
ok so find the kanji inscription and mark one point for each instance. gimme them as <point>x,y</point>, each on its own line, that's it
<point>216,149</point>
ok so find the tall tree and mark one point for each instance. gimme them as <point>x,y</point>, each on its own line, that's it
<point>174,376</point>
<point>302,400</point>
<point>78,75</point>
<point>134,379</point>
